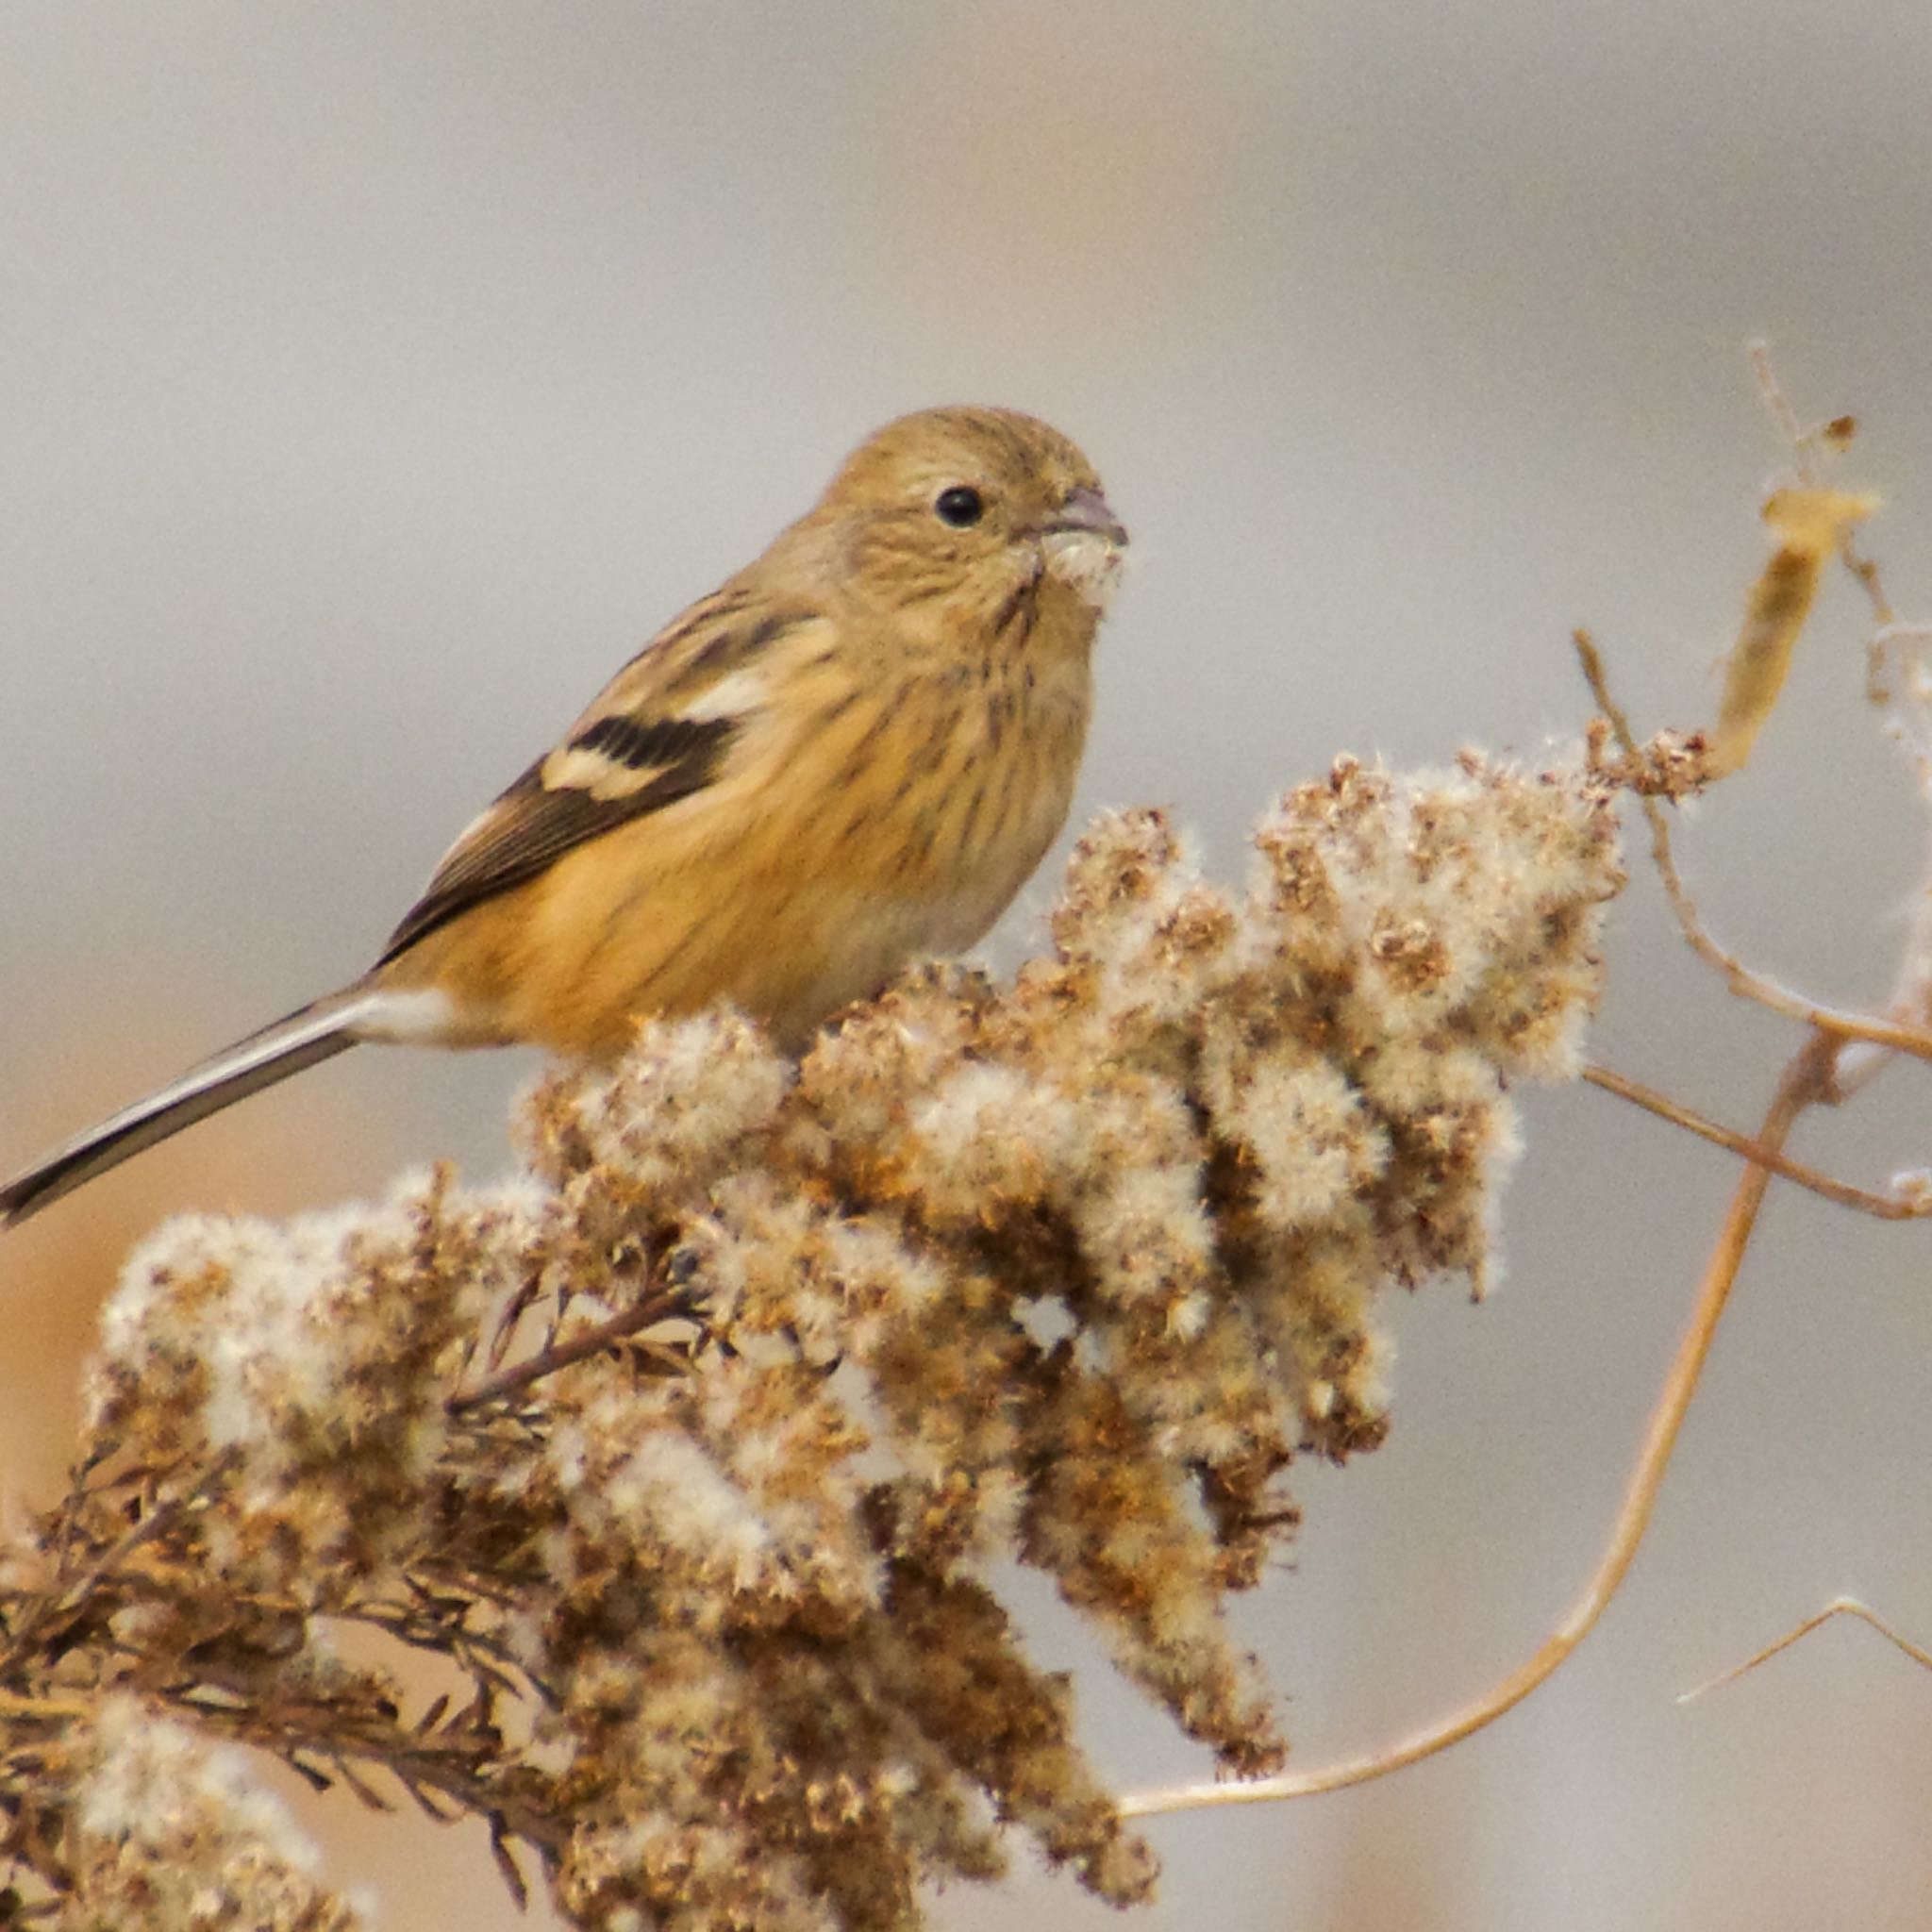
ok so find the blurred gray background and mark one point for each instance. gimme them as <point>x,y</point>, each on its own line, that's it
<point>374,378</point>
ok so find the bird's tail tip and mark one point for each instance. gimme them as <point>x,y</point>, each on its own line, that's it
<point>302,1039</point>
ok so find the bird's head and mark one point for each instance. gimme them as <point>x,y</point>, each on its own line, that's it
<point>968,516</point>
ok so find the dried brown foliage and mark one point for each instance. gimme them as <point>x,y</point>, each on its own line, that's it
<point>692,1451</point>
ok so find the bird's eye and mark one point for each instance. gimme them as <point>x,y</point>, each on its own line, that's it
<point>960,505</point>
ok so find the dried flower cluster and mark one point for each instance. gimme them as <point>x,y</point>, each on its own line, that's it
<point>1067,1272</point>
<point>160,1830</point>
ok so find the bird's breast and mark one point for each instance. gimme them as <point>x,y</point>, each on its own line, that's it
<point>848,833</point>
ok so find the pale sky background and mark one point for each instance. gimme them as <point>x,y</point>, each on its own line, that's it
<point>374,377</point>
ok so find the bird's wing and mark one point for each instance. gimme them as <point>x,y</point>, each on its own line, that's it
<point>660,731</point>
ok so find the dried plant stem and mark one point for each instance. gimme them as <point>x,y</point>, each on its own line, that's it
<point>1837,1606</point>
<point>310,1736</point>
<point>1770,393</point>
<point>1845,1024</point>
<point>1866,1200</point>
<point>510,1382</point>
<point>73,1594</point>
<point>1905,712</point>
<point>1806,1081</point>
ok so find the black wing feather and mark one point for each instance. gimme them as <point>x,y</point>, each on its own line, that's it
<point>641,743</point>
<point>542,825</point>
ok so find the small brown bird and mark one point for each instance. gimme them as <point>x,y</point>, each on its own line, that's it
<point>854,752</point>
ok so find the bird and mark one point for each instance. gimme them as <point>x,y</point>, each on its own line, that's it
<point>851,754</point>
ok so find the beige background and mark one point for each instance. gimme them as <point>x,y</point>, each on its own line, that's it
<point>373,376</point>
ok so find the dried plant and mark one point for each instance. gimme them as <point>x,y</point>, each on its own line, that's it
<point>691,1453</point>
<point>1811,524</point>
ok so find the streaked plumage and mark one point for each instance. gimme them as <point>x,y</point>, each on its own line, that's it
<point>852,752</point>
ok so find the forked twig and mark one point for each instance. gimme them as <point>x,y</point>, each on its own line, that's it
<point>1740,979</point>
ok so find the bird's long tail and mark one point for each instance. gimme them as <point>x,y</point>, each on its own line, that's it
<point>315,1032</point>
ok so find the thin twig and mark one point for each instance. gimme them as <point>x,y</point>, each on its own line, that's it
<point>1740,978</point>
<point>1837,1606</point>
<point>1807,1078</point>
<point>72,1595</point>
<point>162,1516</point>
<point>1884,1207</point>
<point>1770,393</point>
<point>648,1313</point>
<point>333,1734</point>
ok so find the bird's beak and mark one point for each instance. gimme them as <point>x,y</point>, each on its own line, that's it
<point>1085,513</point>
